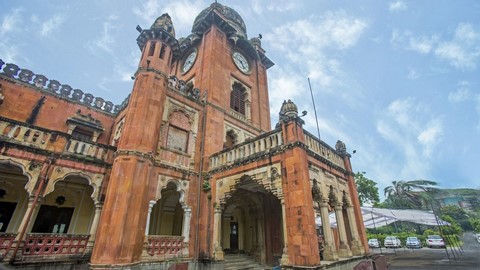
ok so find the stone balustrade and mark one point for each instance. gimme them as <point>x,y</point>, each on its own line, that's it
<point>238,115</point>
<point>164,245</point>
<point>31,136</point>
<point>6,241</point>
<point>90,150</point>
<point>323,150</point>
<point>37,244</point>
<point>247,149</point>
<point>55,87</point>
<point>25,135</point>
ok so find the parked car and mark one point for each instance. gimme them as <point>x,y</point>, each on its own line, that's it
<point>392,241</point>
<point>435,241</point>
<point>413,242</point>
<point>478,237</point>
<point>373,243</point>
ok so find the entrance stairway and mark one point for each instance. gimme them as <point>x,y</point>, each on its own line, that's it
<point>242,261</point>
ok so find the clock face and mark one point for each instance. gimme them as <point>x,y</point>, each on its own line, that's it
<point>241,62</point>
<point>189,61</point>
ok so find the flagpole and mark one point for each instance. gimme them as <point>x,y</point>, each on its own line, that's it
<point>314,109</point>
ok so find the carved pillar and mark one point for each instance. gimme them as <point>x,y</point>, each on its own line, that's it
<point>147,226</point>
<point>285,259</point>
<point>357,248</point>
<point>93,228</point>
<point>187,214</point>
<point>344,250</point>
<point>260,234</point>
<point>329,252</point>
<point>217,235</point>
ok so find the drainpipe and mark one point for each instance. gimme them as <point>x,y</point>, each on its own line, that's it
<point>43,177</point>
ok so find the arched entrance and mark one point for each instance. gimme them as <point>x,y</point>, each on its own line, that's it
<point>252,222</point>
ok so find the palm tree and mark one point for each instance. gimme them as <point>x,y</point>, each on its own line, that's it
<point>408,194</point>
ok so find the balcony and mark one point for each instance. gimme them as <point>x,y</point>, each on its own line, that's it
<point>247,149</point>
<point>6,241</point>
<point>322,149</point>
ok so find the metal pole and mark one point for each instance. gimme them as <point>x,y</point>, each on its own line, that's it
<point>314,109</point>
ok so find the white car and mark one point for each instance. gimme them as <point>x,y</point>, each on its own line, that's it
<point>392,242</point>
<point>373,243</point>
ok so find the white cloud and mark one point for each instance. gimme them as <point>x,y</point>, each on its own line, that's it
<point>462,93</point>
<point>409,126</point>
<point>10,21</point>
<point>463,51</point>
<point>397,6</point>
<point>316,40</point>
<point>422,44</point>
<point>413,74</point>
<point>52,24</point>
<point>106,40</point>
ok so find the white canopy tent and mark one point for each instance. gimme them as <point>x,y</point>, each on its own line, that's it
<point>379,217</point>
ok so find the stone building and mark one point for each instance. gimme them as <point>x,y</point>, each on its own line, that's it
<point>186,172</point>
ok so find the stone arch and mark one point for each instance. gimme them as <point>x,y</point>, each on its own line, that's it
<point>181,187</point>
<point>30,169</point>
<point>268,177</point>
<point>61,173</point>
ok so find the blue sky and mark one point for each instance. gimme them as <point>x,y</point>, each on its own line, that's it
<point>398,81</point>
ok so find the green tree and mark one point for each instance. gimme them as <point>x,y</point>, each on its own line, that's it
<point>367,189</point>
<point>458,214</point>
<point>408,194</point>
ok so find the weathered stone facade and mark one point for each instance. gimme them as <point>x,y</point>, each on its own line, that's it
<point>185,171</point>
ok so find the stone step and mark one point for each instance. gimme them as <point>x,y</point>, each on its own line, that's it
<point>242,262</point>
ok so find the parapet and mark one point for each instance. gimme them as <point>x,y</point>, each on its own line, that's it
<point>61,90</point>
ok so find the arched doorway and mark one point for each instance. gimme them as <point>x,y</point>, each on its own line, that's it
<point>252,222</point>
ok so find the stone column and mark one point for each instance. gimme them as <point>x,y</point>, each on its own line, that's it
<point>149,214</point>
<point>260,236</point>
<point>344,250</point>
<point>187,214</point>
<point>357,248</point>
<point>93,228</point>
<point>285,259</point>
<point>329,252</point>
<point>217,234</point>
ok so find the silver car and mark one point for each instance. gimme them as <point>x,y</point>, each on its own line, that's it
<point>435,241</point>
<point>413,242</point>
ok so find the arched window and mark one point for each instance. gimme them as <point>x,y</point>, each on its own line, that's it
<point>230,139</point>
<point>237,98</point>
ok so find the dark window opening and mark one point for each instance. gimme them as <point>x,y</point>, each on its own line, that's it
<point>151,51</point>
<point>237,98</point>
<point>230,139</point>
<point>53,219</point>
<point>82,134</point>
<point>6,213</point>
<point>162,51</point>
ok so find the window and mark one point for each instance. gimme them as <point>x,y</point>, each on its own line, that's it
<point>162,51</point>
<point>237,98</point>
<point>82,134</point>
<point>151,51</point>
<point>230,139</point>
<point>177,139</point>
<point>53,219</point>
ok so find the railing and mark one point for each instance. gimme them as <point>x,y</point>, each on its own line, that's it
<point>6,241</point>
<point>86,149</point>
<point>55,244</point>
<point>247,149</point>
<point>164,245</point>
<point>25,135</point>
<point>322,149</point>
